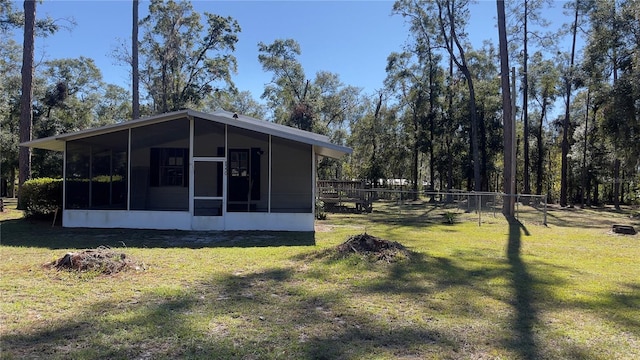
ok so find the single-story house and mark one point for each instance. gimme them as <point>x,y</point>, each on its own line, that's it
<point>191,170</point>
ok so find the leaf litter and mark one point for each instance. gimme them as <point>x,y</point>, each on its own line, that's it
<point>374,247</point>
<point>102,259</point>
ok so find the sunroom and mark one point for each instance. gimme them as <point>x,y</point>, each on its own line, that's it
<point>190,170</point>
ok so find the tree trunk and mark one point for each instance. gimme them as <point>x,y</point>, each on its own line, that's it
<point>414,159</point>
<point>374,167</point>
<point>470,165</point>
<point>622,189</point>
<point>477,179</point>
<point>484,157</point>
<point>616,183</point>
<point>588,184</point>
<point>525,103</point>
<point>508,208</point>
<point>11,190</point>
<point>584,150</point>
<point>616,163</point>
<point>26,104</point>
<point>550,169</point>
<point>432,173</point>
<point>566,124</point>
<point>165,89</point>
<point>448,136</point>
<point>432,119</point>
<point>539,167</point>
<point>135,106</point>
<point>449,168</point>
<point>451,39</point>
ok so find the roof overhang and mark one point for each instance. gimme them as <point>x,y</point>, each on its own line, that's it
<point>321,144</point>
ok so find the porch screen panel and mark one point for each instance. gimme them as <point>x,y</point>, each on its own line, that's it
<point>78,159</point>
<point>291,177</point>
<point>109,171</point>
<point>248,170</point>
<point>96,175</point>
<point>160,166</point>
<point>208,138</point>
<point>207,207</point>
<point>208,179</point>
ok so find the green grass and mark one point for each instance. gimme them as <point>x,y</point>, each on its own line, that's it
<point>496,291</point>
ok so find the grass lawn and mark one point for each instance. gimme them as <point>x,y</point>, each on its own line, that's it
<point>502,290</point>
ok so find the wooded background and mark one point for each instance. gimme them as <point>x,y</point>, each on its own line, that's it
<point>437,119</point>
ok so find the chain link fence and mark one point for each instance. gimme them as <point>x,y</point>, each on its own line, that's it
<point>449,205</point>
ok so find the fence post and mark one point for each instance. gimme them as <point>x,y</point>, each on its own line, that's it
<point>495,199</point>
<point>545,210</point>
<point>479,207</point>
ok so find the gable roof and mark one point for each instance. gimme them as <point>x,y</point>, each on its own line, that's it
<point>321,144</point>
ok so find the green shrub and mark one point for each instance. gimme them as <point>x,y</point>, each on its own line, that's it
<point>450,217</point>
<point>320,210</point>
<point>41,197</point>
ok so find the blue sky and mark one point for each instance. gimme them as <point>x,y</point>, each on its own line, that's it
<point>350,38</point>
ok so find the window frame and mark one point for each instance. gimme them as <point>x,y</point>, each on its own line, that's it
<point>166,163</point>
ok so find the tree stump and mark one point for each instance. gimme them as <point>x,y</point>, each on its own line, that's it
<point>623,229</point>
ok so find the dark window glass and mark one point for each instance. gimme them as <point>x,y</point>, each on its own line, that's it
<point>169,167</point>
<point>158,183</point>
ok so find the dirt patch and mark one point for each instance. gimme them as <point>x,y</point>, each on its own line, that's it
<point>323,227</point>
<point>101,259</point>
<point>374,247</point>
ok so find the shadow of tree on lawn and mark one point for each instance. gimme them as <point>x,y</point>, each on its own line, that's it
<point>522,282</point>
<point>32,233</point>
<point>278,312</point>
<point>263,314</point>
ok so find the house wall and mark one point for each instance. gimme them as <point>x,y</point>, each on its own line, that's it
<point>180,220</point>
<point>160,220</point>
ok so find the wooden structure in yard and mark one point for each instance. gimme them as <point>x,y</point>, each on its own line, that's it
<point>336,194</point>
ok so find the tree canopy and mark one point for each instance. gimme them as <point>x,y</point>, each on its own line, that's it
<point>436,120</point>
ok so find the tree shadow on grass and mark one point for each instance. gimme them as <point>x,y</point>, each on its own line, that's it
<point>591,218</point>
<point>263,314</point>
<point>423,280</point>
<point>523,342</point>
<point>32,233</point>
<point>416,215</point>
<point>277,312</point>
<point>628,304</point>
<point>620,307</point>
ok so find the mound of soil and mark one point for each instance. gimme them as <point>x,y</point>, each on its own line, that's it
<point>102,259</point>
<point>375,247</point>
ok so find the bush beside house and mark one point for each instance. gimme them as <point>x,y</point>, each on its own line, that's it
<point>41,197</point>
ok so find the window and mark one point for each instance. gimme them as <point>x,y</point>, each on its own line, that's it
<point>239,163</point>
<point>169,167</point>
<point>244,170</point>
